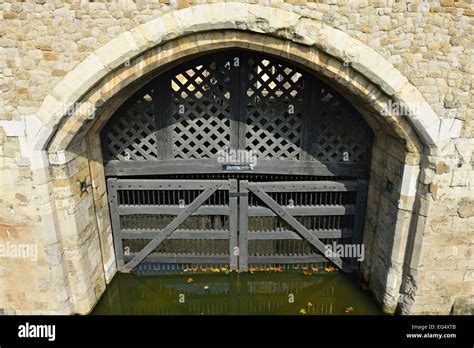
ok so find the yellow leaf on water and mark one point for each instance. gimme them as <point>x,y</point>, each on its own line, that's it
<point>349,309</point>
<point>206,287</point>
<point>302,311</point>
<point>189,280</point>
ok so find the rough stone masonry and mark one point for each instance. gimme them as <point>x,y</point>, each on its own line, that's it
<point>55,54</point>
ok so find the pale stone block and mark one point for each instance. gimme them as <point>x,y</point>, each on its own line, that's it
<point>307,31</point>
<point>59,157</point>
<point>42,138</point>
<point>87,73</point>
<point>372,65</point>
<point>110,268</point>
<point>116,51</point>
<point>13,128</point>
<point>409,180</point>
<point>448,129</point>
<point>153,31</point>
<point>421,115</point>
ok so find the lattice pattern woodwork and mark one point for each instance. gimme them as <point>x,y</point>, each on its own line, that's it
<point>261,104</point>
<point>201,110</point>
<point>274,109</point>
<point>132,134</point>
<point>342,137</point>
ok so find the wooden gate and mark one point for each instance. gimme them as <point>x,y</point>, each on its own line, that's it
<point>154,213</point>
<point>179,194</point>
<point>313,214</point>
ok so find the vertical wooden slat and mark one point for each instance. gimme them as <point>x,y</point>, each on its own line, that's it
<point>311,117</point>
<point>115,219</point>
<point>233,224</point>
<point>360,211</point>
<point>235,96</point>
<point>162,103</point>
<point>243,99</point>
<point>243,226</point>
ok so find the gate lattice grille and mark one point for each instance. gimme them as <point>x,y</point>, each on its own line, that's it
<point>274,100</point>
<point>201,110</point>
<point>133,136</point>
<point>335,138</point>
<point>262,104</point>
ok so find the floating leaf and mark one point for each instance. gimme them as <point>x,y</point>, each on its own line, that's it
<point>302,311</point>
<point>349,309</point>
<point>189,280</point>
<point>206,287</point>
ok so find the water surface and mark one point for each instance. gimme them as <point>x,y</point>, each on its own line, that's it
<point>291,293</point>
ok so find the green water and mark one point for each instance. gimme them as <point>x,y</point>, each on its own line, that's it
<point>291,293</point>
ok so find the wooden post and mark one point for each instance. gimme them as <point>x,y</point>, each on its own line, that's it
<point>233,224</point>
<point>243,226</point>
<point>115,219</point>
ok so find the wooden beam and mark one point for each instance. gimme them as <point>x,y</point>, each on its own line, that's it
<point>115,220</point>
<point>178,234</point>
<point>273,235</point>
<point>307,186</point>
<point>172,226</point>
<point>183,258</point>
<point>243,226</point>
<point>171,210</point>
<point>314,210</point>
<point>285,215</point>
<point>233,225</point>
<point>205,166</point>
<point>291,259</point>
<point>154,184</point>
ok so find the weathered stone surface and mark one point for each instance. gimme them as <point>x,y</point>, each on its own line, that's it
<point>441,168</point>
<point>464,306</point>
<point>466,208</point>
<point>51,60</point>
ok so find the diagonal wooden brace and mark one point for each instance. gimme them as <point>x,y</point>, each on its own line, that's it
<point>171,227</point>
<point>281,212</point>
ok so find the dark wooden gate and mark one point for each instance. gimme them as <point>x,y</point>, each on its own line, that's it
<point>181,195</point>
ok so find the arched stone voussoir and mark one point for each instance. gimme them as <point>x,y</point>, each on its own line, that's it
<point>270,21</point>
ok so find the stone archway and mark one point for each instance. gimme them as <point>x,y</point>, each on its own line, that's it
<point>99,84</point>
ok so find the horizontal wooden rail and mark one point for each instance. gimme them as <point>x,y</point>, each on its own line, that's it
<point>315,210</point>
<point>178,234</point>
<point>153,184</point>
<point>289,259</point>
<point>204,166</point>
<point>181,258</point>
<point>171,210</point>
<point>273,235</point>
<point>306,186</point>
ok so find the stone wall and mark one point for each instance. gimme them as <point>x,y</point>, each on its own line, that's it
<point>419,235</point>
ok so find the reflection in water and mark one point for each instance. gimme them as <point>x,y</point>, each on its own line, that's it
<point>244,293</point>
